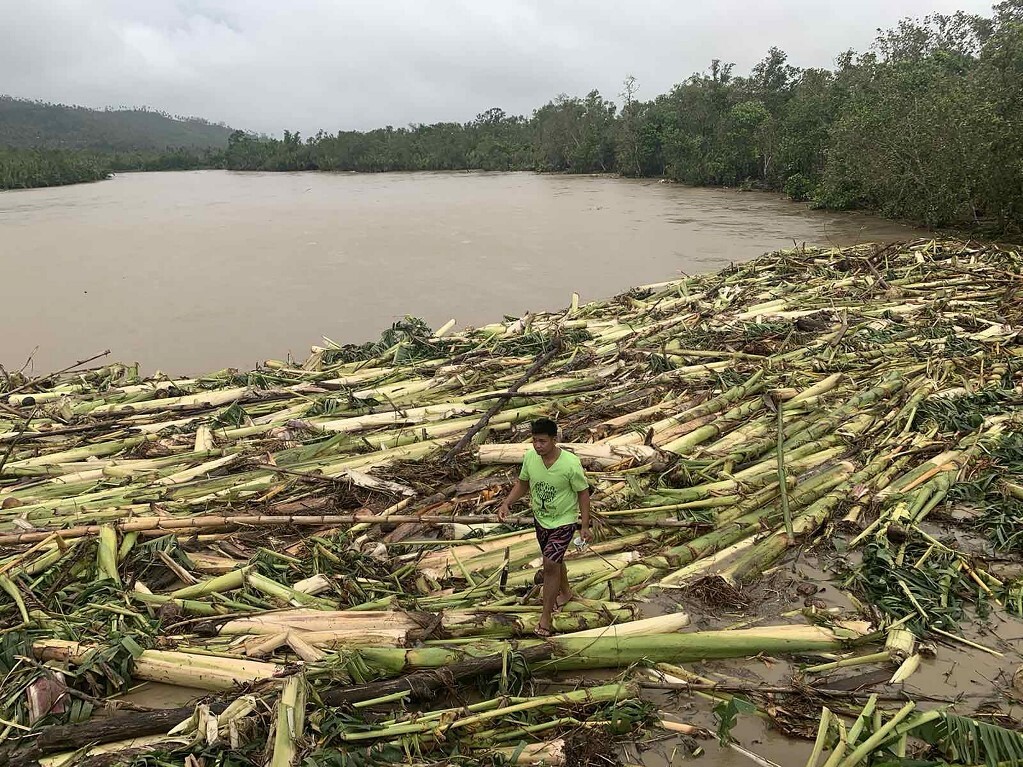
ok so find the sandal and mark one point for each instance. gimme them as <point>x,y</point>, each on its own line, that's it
<point>559,605</point>
<point>543,632</point>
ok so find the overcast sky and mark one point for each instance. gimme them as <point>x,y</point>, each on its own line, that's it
<point>267,65</point>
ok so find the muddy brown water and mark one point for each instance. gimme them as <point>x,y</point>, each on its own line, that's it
<point>190,272</point>
<point>976,680</point>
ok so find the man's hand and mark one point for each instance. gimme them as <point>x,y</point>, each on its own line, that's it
<point>585,534</point>
<point>520,489</point>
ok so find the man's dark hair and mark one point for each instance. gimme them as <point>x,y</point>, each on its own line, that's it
<point>544,426</point>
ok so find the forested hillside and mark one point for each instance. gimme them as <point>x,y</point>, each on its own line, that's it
<point>51,144</point>
<point>35,124</point>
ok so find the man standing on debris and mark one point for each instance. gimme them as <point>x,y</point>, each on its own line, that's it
<point>560,499</point>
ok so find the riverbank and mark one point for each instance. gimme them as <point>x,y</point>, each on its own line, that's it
<point>314,530</point>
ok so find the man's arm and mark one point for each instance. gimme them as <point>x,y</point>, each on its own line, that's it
<point>520,489</point>
<point>584,514</point>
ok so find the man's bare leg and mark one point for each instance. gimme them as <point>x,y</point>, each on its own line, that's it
<point>565,594</point>
<point>551,589</point>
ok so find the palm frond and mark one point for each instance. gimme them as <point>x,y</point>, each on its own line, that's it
<point>969,741</point>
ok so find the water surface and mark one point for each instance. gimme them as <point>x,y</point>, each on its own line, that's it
<point>195,271</point>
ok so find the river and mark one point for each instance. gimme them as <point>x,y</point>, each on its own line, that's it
<point>189,272</point>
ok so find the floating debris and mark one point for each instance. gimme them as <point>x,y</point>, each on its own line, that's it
<point>313,548</point>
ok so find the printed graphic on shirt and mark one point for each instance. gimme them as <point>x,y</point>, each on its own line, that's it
<point>544,493</point>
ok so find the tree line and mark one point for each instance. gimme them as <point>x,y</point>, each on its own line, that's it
<point>30,168</point>
<point>27,168</point>
<point>925,126</point>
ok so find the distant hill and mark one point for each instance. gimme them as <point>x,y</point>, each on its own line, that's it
<point>26,124</point>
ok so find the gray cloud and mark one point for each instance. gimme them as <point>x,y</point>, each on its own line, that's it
<point>312,64</point>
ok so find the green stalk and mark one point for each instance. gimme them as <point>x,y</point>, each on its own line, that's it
<point>382,700</point>
<point>289,722</point>
<point>877,737</point>
<point>226,582</point>
<point>782,478</point>
<point>285,593</point>
<point>107,553</point>
<point>187,606</point>
<point>606,693</point>
<point>854,733</point>
<point>575,653</point>
<point>859,660</point>
<point>822,736</point>
<point>499,736</point>
<point>8,585</point>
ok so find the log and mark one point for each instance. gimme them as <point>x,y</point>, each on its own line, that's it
<point>136,724</point>
<point>183,525</point>
<point>535,394</point>
<point>422,684</point>
<point>592,456</point>
<point>524,379</point>
<point>70,737</point>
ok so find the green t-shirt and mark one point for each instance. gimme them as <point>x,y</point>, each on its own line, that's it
<point>554,491</point>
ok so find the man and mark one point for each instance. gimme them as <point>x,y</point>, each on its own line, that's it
<point>560,499</point>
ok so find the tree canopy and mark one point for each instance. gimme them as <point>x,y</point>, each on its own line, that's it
<point>925,126</point>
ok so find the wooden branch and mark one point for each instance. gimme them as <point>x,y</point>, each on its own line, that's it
<point>422,684</point>
<point>137,724</point>
<point>535,394</point>
<point>70,737</point>
<point>524,379</point>
<point>217,521</point>
<point>36,380</point>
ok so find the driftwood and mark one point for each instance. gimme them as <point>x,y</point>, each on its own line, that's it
<point>30,383</point>
<point>137,724</point>
<point>534,394</point>
<point>70,737</point>
<point>524,379</point>
<point>216,521</point>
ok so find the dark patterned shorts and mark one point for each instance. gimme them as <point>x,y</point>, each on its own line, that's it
<point>554,541</point>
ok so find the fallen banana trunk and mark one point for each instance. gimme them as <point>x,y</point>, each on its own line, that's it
<point>202,672</point>
<point>572,652</point>
<point>142,724</point>
<point>474,624</point>
<point>136,747</point>
<point>551,754</point>
<point>217,522</point>
<point>662,624</point>
<point>592,456</point>
<point>586,652</point>
<point>321,628</point>
<point>307,620</point>
<point>423,683</point>
<point>898,370</point>
<point>288,724</point>
<point>118,730</point>
<point>517,551</point>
